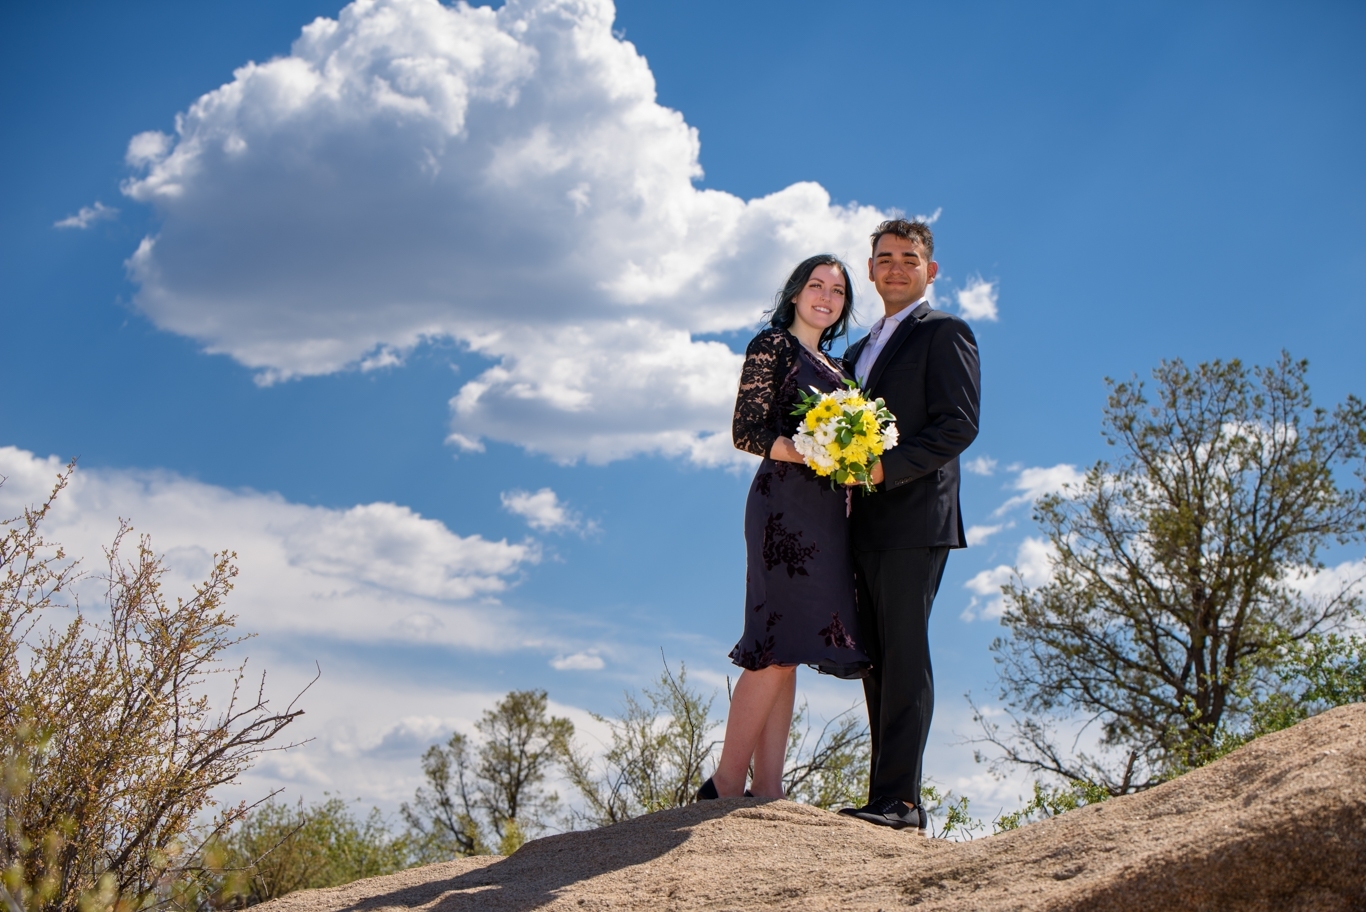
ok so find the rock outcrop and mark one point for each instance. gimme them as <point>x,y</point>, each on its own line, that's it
<point>1278,825</point>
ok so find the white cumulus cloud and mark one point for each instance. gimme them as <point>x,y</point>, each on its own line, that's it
<point>544,511</point>
<point>87,216</point>
<point>977,300</point>
<point>1033,563</point>
<point>372,573</point>
<point>502,177</point>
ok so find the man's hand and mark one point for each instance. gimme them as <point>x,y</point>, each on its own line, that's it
<point>875,476</point>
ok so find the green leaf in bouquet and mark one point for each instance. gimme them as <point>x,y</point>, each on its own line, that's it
<point>807,402</point>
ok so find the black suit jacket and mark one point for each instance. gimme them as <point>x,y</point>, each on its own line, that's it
<point>929,375</point>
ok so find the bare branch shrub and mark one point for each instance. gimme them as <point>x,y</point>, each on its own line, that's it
<point>655,757</point>
<point>832,770</point>
<point>109,745</point>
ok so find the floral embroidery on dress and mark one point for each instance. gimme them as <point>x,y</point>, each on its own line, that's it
<point>784,547</point>
<point>760,655</point>
<point>836,634</point>
<point>773,618</point>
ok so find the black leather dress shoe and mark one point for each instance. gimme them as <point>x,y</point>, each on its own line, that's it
<point>890,812</point>
<point>707,792</point>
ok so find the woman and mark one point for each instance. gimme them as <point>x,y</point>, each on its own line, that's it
<point>799,592</point>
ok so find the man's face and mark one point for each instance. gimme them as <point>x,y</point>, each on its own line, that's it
<point>901,271</point>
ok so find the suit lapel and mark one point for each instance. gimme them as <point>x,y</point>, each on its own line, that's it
<point>903,332</point>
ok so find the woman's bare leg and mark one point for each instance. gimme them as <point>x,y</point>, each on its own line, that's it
<point>753,702</point>
<point>771,751</point>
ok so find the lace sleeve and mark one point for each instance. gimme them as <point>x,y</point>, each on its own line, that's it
<point>768,359</point>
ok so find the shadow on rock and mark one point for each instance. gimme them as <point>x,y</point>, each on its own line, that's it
<point>534,875</point>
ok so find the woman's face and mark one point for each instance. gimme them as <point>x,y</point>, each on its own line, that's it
<point>821,302</point>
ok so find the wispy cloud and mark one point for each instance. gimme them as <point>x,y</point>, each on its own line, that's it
<point>579,661</point>
<point>545,512</point>
<point>982,465</point>
<point>87,216</point>
<point>1036,482</point>
<point>978,535</point>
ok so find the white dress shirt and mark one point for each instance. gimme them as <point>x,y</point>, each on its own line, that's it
<point>882,330</point>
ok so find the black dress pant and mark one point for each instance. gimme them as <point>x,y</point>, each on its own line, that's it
<point>896,590</point>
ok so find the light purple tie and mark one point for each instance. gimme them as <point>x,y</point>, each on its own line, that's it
<point>868,356</point>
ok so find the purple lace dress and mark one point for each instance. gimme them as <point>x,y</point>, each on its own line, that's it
<point>799,579</point>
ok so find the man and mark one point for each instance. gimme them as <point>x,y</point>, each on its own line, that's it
<point>923,364</point>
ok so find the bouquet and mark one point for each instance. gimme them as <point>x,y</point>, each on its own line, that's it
<point>843,434</point>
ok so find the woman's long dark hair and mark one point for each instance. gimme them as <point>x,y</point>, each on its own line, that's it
<point>785,309</point>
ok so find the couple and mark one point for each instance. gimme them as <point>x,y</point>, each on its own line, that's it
<point>845,581</point>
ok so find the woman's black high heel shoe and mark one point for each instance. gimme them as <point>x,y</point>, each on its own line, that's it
<point>708,791</point>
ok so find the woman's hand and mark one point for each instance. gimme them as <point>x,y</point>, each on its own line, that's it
<point>784,451</point>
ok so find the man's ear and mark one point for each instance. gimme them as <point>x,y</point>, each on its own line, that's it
<point>932,270</point>
<point>870,269</point>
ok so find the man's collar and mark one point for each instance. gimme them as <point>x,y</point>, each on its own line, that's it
<point>905,312</point>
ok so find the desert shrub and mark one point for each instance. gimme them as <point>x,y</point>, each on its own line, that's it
<point>276,849</point>
<point>1050,801</point>
<point>109,746</point>
<point>1308,677</point>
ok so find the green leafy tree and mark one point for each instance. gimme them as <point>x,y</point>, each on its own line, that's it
<point>1176,586</point>
<point>520,746</point>
<point>110,748</point>
<point>442,815</point>
<point>500,786</point>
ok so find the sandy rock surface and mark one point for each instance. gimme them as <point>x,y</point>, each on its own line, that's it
<point>1277,825</point>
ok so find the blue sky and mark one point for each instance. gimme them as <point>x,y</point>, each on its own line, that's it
<point>373,310</point>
